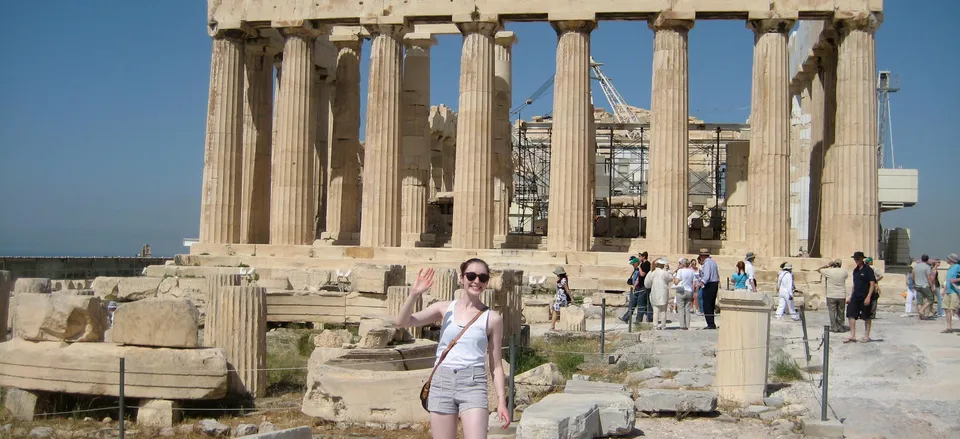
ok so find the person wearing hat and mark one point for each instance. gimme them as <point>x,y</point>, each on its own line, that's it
<point>562,298</point>
<point>751,272</point>
<point>658,283</point>
<point>858,303</point>
<point>111,308</point>
<point>835,280</point>
<point>639,294</point>
<point>923,281</point>
<point>951,296</point>
<point>785,288</point>
<point>710,277</point>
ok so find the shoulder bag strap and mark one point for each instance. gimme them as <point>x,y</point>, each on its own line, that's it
<point>454,342</point>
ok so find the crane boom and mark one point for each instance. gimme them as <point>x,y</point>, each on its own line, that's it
<point>621,111</point>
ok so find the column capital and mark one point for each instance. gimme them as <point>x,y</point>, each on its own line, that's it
<point>392,30</point>
<point>303,28</point>
<point>506,38</point>
<point>346,41</point>
<point>846,21</point>
<point>766,22</point>
<point>231,30</point>
<point>486,24</point>
<point>672,20</point>
<point>420,40</point>
<point>582,26</point>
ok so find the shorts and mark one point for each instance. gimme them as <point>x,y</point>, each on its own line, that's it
<point>951,301</point>
<point>857,310</point>
<point>454,391</point>
<point>925,295</point>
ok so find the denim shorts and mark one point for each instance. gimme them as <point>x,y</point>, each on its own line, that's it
<point>454,391</point>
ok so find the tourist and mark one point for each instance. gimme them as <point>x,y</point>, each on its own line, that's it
<point>710,276</point>
<point>876,292</point>
<point>923,280</point>
<point>111,308</point>
<point>951,296</point>
<point>459,383</point>
<point>562,299</point>
<point>836,281</point>
<point>858,303</point>
<point>751,272</point>
<point>697,300</point>
<point>639,295</point>
<point>909,296</point>
<point>740,277</point>
<point>684,278</point>
<point>658,283</point>
<point>785,288</point>
<point>935,286</point>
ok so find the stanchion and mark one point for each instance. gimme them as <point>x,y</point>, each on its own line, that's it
<point>121,396</point>
<point>603,323</point>
<point>806,340</point>
<point>511,400</point>
<point>826,372</point>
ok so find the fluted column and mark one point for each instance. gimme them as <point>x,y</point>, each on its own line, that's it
<point>257,134</point>
<point>380,224</point>
<point>343,196</point>
<point>856,225</point>
<point>416,138</point>
<point>817,152</point>
<point>473,184</point>
<point>830,175</point>
<point>570,222</point>
<point>502,158</point>
<point>667,200</point>
<point>222,180</point>
<point>768,225</point>
<point>241,332</point>
<point>293,196</point>
<point>320,146</point>
<point>738,191</point>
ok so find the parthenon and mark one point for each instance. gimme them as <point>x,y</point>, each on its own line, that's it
<point>284,164</point>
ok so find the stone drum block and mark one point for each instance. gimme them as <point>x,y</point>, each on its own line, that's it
<point>560,416</point>
<point>159,413</point>
<point>156,322</point>
<point>45,317</point>
<point>241,330</point>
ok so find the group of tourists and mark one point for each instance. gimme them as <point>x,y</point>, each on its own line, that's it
<point>924,286</point>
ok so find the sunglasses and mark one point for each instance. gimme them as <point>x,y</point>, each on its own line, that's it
<point>471,276</point>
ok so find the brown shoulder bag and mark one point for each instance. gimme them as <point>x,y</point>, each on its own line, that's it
<point>425,391</point>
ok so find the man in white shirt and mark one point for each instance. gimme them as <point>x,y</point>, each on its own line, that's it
<point>750,271</point>
<point>836,281</point>
<point>786,287</point>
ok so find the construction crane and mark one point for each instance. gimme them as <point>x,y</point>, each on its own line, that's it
<point>621,111</point>
<point>886,83</point>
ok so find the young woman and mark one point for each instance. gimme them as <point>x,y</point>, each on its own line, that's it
<point>459,386</point>
<point>740,277</point>
<point>562,297</point>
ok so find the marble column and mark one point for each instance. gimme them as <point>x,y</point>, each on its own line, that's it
<point>668,191</point>
<point>503,145</point>
<point>830,174</point>
<point>242,333</point>
<point>570,218</point>
<point>380,224</point>
<point>738,191</point>
<point>321,148</point>
<point>343,214</point>
<point>856,209</point>
<point>222,162</point>
<point>768,226</point>
<point>293,196</point>
<point>473,185</point>
<point>817,151</point>
<point>257,134</point>
<point>416,139</point>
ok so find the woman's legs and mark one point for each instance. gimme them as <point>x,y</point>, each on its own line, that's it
<point>444,426</point>
<point>554,316</point>
<point>683,308</point>
<point>908,303</point>
<point>475,423</point>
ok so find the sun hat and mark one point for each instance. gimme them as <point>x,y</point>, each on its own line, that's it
<point>858,255</point>
<point>749,256</point>
<point>788,266</point>
<point>559,271</point>
<point>704,252</point>
<point>953,258</point>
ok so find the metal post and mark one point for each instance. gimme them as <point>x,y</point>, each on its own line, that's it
<point>603,323</point>
<point>511,400</point>
<point>826,372</point>
<point>122,366</point>
<point>629,322</point>
<point>806,340</point>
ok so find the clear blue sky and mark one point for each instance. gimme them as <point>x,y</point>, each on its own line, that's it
<point>104,106</point>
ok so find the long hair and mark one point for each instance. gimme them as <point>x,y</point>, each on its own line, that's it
<point>741,267</point>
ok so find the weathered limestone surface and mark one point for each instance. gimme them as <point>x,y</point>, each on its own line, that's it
<point>473,219</point>
<point>257,133</point>
<point>159,413</point>
<point>380,223</point>
<point>352,394</point>
<point>212,319</point>
<point>46,317</point>
<point>580,387</point>
<point>293,197</point>
<point>6,285</point>
<point>560,416</point>
<point>573,318</point>
<point>241,331</point>
<point>856,210</point>
<point>738,191</point>
<point>503,145</point>
<point>32,285</point>
<point>742,351</point>
<point>92,368</point>
<point>831,173</point>
<point>106,286</point>
<point>445,283</point>
<point>415,173</point>
<point>156,322</point>
<point>23,405</point>
<point>769,164</point>
<point>661,400</point>
<point>343,208</point>
<point>321,147</point>
<point>570,225</point>
<point>220,203</point>
<point>396,297</point>
<point>375,278</point>
<point>669,108</point>
<point>290,433</point>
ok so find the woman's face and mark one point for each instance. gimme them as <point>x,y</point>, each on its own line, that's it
<point>478,283</point>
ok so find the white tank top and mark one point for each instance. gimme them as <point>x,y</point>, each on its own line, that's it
<point>471,349</point>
